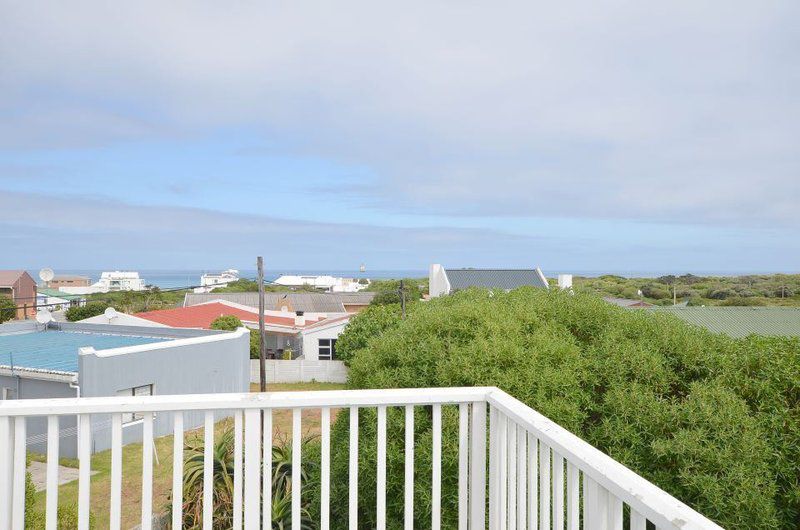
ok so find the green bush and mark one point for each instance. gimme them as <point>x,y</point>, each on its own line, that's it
<point>703,416</point>
<point>8,309</point>
<point>67,514</point>
<point>226,323</point>
<point>366,325</point>
<point>91,309</point>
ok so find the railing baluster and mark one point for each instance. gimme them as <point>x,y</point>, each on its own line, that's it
<point>502,449</point>
<point>522,479</point>
<point>267,469</point>
<point>408,516</point>
<point>638,522</point>
<point>573,493</point>
<point>52,473</point>
<point>252,468</point>
<point>512,475</point>
<point>18,514</point>
<point>477,472</point>
<point>463,465</point>
<point>147,471</point>
<point>208,471</point>
<point>533,482</point>
<point>6,470</point>
<point>558,491</point>
<point>296,466</point>
<point>589,503</point>
<point>325,487</point>
<point>353,494</point>
<point>614,512</point>
<point>177,469</point>
<point>84,469</point>
<point>237,470</point>
<point>381,473</point>
<point>494,470</point>
<point>544,486</point>
<point>601,503</point>
<point>436,472</point>
<point>115,509</point>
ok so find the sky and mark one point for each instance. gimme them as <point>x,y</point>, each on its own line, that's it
<point>602,136</point>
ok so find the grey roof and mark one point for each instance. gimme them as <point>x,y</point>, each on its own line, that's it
<point>309,302</point>
<point>741,321</point>
<point>493,278</point>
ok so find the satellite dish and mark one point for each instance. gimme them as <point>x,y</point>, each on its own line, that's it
<point>110,313</point>
<point>44,317</point>
<point>46,274</point>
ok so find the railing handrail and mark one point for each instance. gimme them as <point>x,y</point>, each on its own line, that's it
<point>648,499</point>
<point>242,401</point>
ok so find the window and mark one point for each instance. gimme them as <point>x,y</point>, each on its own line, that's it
<point>6,393</point>
<point>144,390</point>
<point>327,349</point>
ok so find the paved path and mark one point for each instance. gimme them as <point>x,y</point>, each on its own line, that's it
<point>38,471</point>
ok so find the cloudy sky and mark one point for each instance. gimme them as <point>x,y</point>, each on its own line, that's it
<point>609,135</point>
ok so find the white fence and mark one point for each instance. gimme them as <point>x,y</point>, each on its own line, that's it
<point>539,475</point>
<point>300,371</point>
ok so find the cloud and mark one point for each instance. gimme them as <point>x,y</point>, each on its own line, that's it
<point>674,112</point>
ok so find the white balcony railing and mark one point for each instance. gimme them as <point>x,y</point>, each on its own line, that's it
<point>539,475</point>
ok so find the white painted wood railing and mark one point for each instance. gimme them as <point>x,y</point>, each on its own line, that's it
<point>540,476</point>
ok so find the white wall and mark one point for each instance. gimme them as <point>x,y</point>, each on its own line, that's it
<point>299,371</point>
<point>438,284</point>
<point>311,339</point>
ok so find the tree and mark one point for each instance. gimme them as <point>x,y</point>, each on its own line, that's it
<point>389,291</point>
<point>232,323</point>
<point>8,309</point>
<point>366,325</point>
<point>91,309</point>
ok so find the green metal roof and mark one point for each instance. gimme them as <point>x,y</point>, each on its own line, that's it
<point>741,321</point>
<point>55,293</point>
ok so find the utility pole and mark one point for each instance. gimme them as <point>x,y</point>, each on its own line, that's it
<point>262,345</point>
<point>402,299</point>
<point>674,293</point>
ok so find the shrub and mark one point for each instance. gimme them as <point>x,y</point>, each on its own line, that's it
<point>664,398</point>
<point>91,309</point>
<point>8,309</point>
<point>366,325</point>
<point>226,323</point>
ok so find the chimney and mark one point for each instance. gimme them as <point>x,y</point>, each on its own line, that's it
<point>299,319</point>
<point>565,281</point>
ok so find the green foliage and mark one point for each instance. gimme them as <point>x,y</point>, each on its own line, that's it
<point>223,483</point>
<point>66,517</point>
<point>705,417</point>
<point>389,290</point>
<point>8,309</point>
<point>287,354</point>
<point>91,309</point>
<point>366,325</point>
<point>226,323</point>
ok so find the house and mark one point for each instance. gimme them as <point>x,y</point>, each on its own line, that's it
<point>88,360</point>
<point>68,281</point>
<point>311,337</point>
<point>740,321</point>
<point>328,284</point>
<point>55,300</point>
<point>627,302</point>
<point>21,288</point>
<point>308,303</point>
<point>119,281</point>
<point>209,281</point>
<point>445,281</point>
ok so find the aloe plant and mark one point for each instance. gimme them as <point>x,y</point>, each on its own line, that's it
<point>223,484</point>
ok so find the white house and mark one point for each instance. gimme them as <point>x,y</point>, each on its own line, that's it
<point>329,284</point>
<point>110,281</point>
<point>444,281</point>
<point>209,281</point>
<point>319,340</point>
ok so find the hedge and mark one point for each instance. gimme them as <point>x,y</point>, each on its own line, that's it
<point>712,420</point>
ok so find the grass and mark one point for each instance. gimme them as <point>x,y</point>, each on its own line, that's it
<point>162,472</point>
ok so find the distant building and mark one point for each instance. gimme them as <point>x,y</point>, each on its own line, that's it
<point>119,281</point>
<point>68,281</point>
<point>88,360</point>
<point>740,321</point>
<point>21,288</point>
<point>445,281</point>
<point>209,281</point>
<point>328,284</point>
<point>55,300</point>
<point>627,302</point>
<point>308,303</point>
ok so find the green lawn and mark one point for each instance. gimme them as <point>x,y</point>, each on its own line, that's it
<point>162,471</point>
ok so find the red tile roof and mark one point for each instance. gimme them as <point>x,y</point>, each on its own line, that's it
<point>201,316</point>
